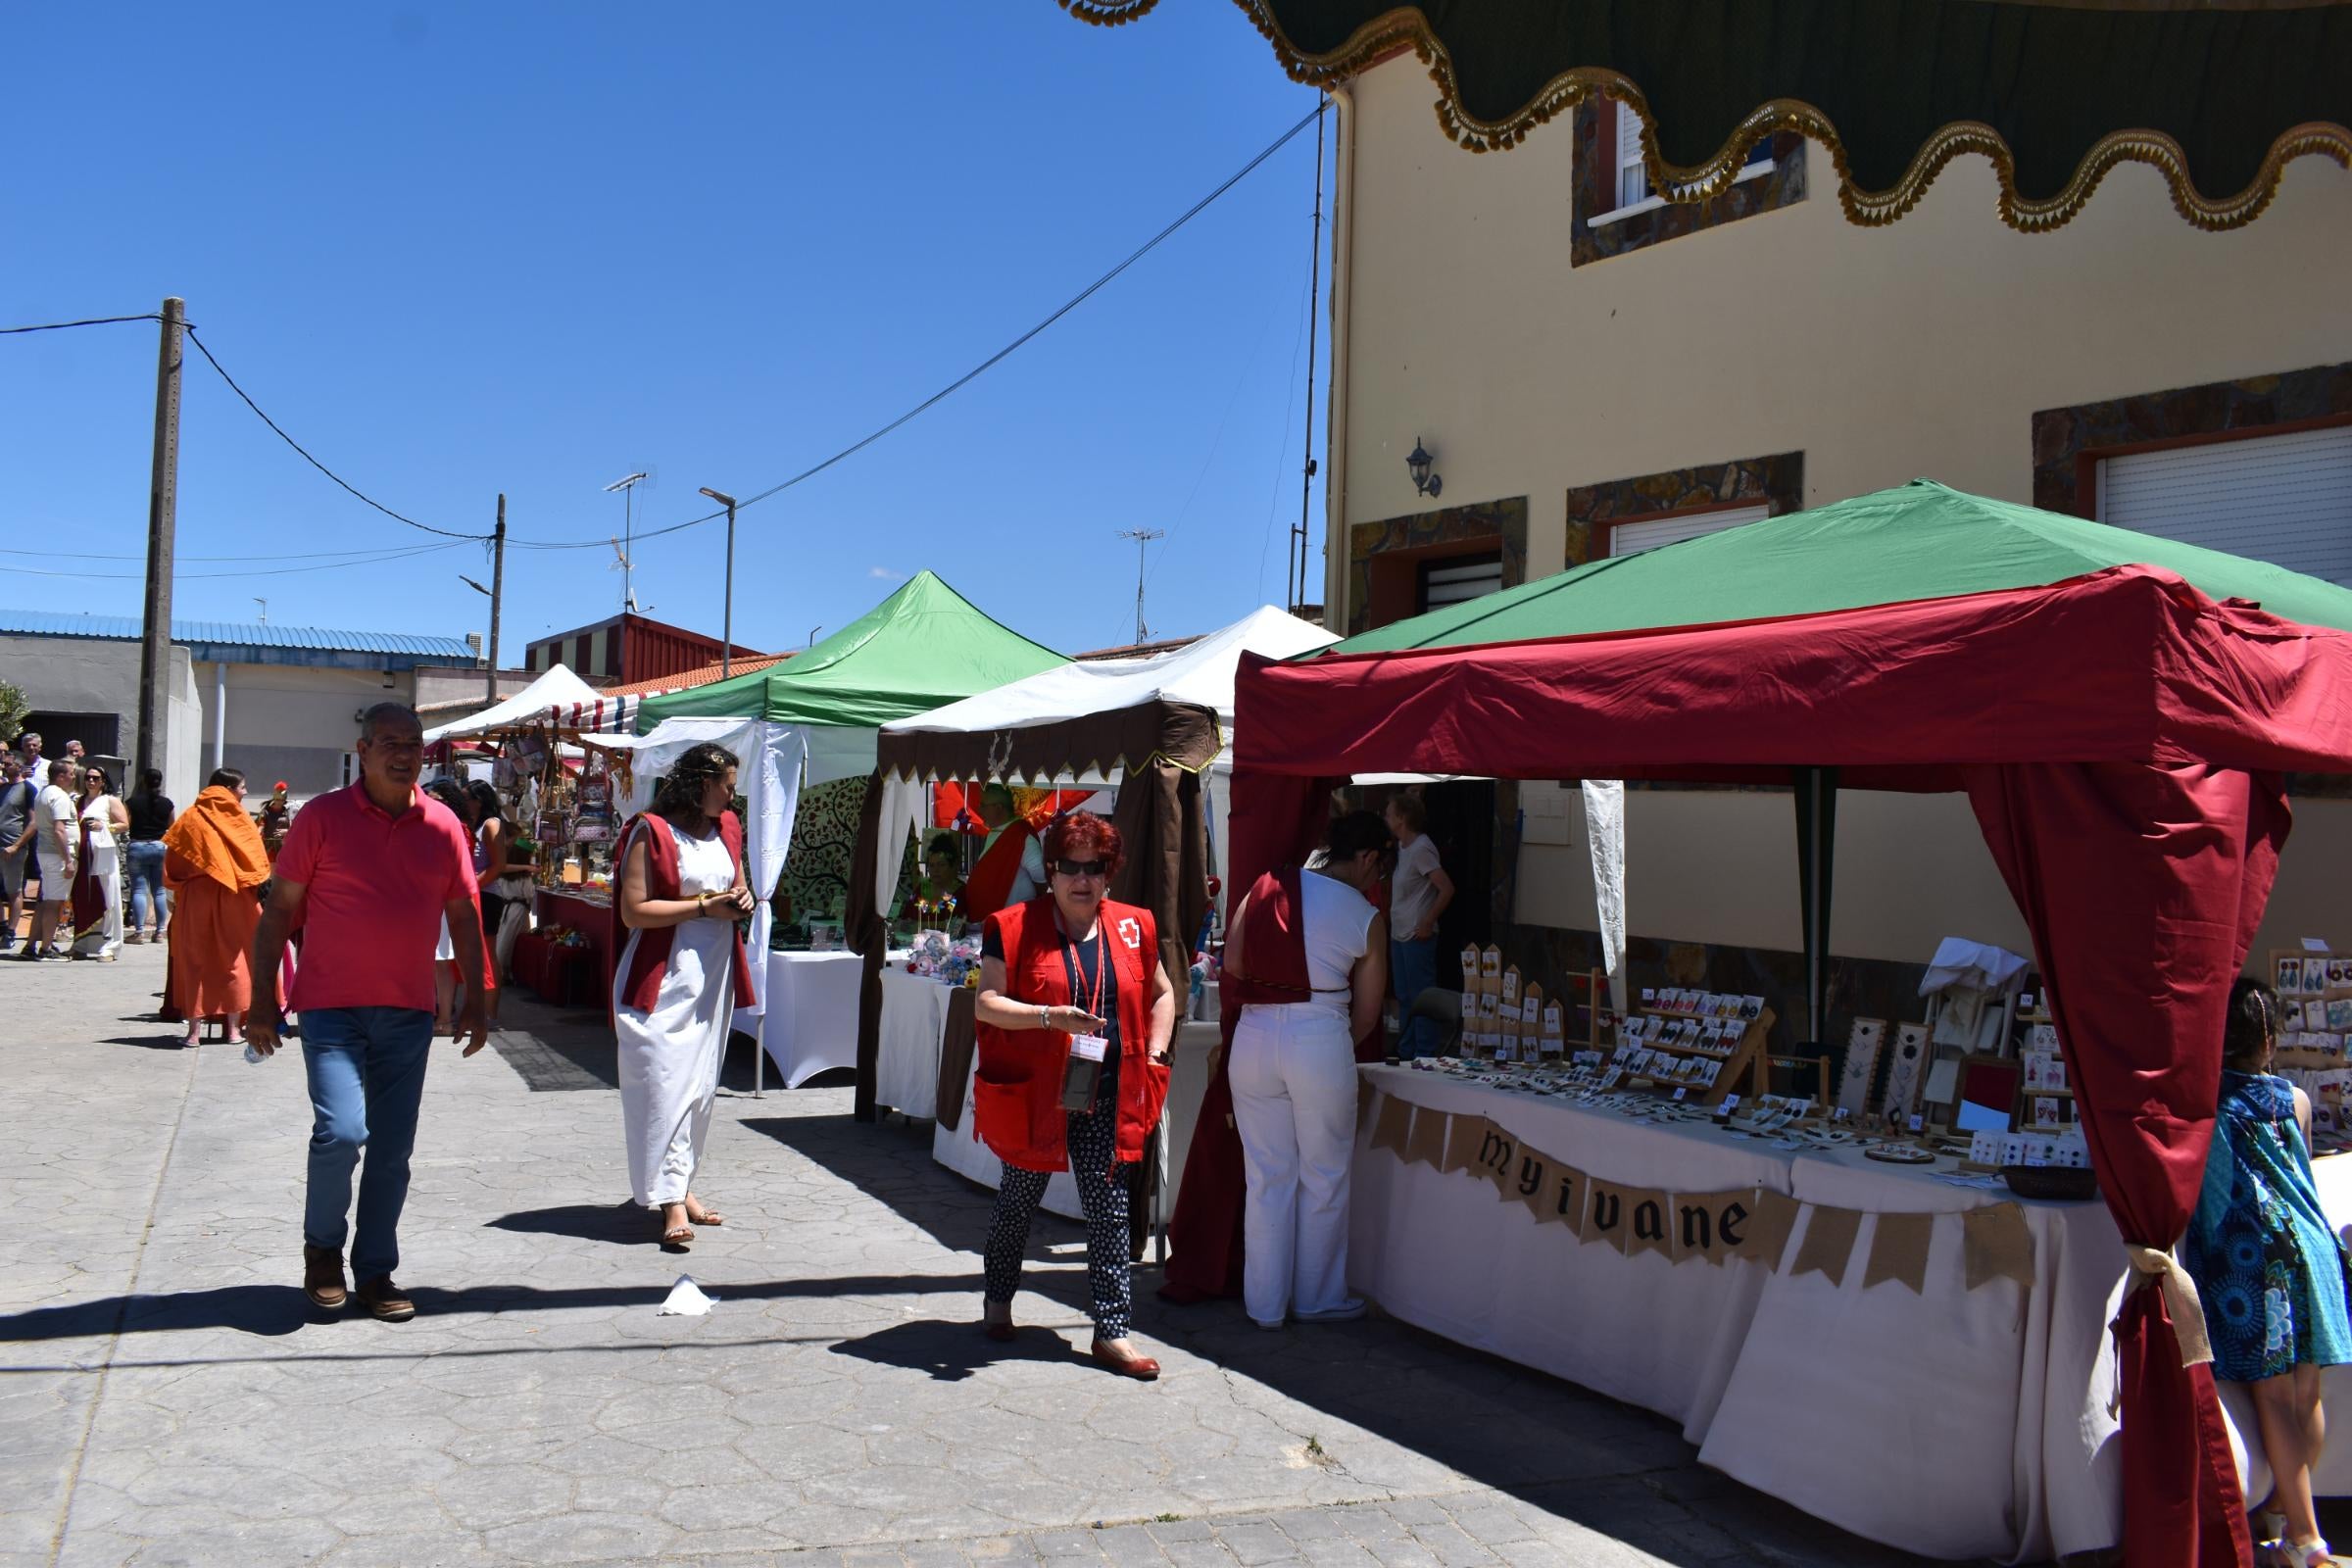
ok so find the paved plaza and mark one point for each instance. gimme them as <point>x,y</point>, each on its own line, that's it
<point>168,1398</point>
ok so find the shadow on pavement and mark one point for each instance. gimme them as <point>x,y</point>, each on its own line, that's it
<point>622,1222</point>
<point>950,1353</point>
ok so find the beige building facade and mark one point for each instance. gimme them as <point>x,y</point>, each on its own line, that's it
<point>1582,387</point>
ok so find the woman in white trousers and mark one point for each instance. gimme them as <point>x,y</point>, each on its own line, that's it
<point>1294,1085</point>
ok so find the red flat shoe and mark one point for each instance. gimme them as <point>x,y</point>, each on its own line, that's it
<point>1142,1368</point>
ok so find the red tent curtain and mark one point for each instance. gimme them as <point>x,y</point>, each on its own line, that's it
<point>2142,886</point>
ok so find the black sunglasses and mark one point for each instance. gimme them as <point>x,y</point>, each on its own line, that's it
<point>1092,869</point>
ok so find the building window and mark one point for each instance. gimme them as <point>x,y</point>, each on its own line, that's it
<point>1617,212</point>
<point>2284,499</point>
<point>1634,195</point>
<point>1644,511</point>
<point>1470,550</point>
<point>1631,536</point>
<point>2260,467</point>
<point>1456,579</point>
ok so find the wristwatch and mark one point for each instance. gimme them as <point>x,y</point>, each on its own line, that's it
<point>1045,1018</point>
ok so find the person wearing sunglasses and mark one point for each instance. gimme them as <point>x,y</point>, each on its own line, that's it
<point>1074,1017</point>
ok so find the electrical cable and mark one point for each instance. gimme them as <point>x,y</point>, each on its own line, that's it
<point>315,554</point>
<point>977,370</point>
<point>193,576</point>
<point>94,320</point>
<point>447,533</point>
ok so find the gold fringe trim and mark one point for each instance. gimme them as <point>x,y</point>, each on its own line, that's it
<point>1107,13</point>
<point>1405,26</point>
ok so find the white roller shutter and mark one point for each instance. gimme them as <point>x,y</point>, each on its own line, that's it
<point>1632,538</point>
<point>1443,584</point>
<point>2284,499</point>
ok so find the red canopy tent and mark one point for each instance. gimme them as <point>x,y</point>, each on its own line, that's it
<point>2122,735</point>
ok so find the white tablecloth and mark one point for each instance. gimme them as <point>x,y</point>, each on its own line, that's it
<point>812,1021</point>
<point>963,1153</point>
<point>914,1016</point>
<point>1440,1251</point>
<point>1954,1423</point>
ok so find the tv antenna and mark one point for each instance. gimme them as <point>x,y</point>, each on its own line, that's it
<point>1142,538</point>
<point>628,535</point>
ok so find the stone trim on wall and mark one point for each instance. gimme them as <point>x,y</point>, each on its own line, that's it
<point>1499,525</point>
<point>2069,442</point>
<point>1595,186</point>
<point>1777,480</point>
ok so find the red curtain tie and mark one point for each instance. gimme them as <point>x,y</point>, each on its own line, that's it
<point>2153,1265</point>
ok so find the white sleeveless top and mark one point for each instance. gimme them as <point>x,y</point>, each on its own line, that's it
<point>1339,926</point>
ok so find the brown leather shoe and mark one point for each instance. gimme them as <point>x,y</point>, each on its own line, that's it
<point>1139,1368</point>
<point>323,1277</point>
<point>385,1301</point>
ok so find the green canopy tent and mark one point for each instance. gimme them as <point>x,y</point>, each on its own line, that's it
<point>815,717</point>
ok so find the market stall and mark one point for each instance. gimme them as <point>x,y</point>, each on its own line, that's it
<point>1153,728</point>
<point>812,719</point>
<point>1903,640</point>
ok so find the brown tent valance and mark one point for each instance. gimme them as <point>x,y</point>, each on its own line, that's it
<point>2218,95</point>
<point>1184,735</point>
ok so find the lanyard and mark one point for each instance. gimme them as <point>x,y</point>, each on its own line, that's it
<point>1071,951</point>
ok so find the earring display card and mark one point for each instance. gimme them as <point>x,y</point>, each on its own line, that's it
<point>1862,1047</point>
<point>1908,1070</point>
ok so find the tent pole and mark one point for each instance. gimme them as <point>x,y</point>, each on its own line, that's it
<point>1816,869</point>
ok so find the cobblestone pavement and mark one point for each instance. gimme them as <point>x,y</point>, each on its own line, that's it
<point>166,1396</point>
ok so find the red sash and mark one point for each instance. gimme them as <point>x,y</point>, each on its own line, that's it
<point>643,983</point>
<point>989,885</point>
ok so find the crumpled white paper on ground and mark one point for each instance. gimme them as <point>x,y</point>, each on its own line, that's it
<point>686,1299</point>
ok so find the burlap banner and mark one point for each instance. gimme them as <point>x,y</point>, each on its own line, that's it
<point>1898,1250</point>
<point>1748,1222</point>
<point>1426,1144</point>
<point>1829,1242</point>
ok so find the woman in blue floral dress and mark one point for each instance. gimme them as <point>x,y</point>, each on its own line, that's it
<point>2269,1266</point>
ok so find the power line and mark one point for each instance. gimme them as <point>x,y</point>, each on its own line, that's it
<point>274,555</point>
<point>447,533</point>
<point>94,320</point>
<point>192,576</point>
<point>977,370</point>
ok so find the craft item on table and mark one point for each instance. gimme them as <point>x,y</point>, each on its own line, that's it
<point>1510,987</point>
<point>1862,1044</point>
<point>1908,1069</point>
<point>1490,968</point>
<point>2045,1113</point>
<point>1470,977</point>
<point>1898,1250</point>
<point>1899,1154</point>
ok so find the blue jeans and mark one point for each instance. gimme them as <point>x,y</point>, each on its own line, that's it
<point>366,1067</point>
<point>146,860</point>
<point>1413,969</point>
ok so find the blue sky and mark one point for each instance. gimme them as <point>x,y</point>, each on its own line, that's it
<point>461,248</point>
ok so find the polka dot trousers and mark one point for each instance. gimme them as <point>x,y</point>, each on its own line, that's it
<point>1102,1194</point>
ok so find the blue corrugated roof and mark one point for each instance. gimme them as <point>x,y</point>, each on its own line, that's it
<point>226,633</point>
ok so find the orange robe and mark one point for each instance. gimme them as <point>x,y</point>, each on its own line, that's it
<point>213,863</point>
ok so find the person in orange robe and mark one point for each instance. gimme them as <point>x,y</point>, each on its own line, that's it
<point>212,862</point>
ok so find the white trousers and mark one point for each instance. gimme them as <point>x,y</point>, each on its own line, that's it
<point>1294,1103</point>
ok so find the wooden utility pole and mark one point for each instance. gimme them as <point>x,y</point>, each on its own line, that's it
<point>1314,286</point>
<point>498,587</point>
<point>163,511</point>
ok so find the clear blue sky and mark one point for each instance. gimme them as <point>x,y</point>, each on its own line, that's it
<point>461,248</point>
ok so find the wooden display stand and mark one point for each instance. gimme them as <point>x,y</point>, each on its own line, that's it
<point>1746,1057</point>
<point>2321,1049</point>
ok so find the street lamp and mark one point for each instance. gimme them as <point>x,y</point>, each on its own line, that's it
<point>476,586</point>
<point>726,633</point>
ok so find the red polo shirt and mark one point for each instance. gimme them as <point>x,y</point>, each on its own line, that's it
<point>376,888</point>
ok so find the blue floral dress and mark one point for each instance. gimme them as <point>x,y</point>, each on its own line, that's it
<point>2270,1267</point>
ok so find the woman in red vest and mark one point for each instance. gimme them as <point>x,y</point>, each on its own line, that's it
<point>679,979</point>
<point>1075,1013</point>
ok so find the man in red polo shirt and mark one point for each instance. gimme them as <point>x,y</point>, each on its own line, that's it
<point>369,873</point>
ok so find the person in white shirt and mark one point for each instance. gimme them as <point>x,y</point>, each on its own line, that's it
<point>1292,1071</point>
<point>57,830</point>
<point>1419,894</point>
<point>36,767</point>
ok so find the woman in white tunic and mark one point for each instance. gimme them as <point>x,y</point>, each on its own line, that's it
<point>679,980</point>
<point>105,821</point>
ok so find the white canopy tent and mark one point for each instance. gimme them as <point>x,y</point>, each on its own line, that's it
<point>558,687</point>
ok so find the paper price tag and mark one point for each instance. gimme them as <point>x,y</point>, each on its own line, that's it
<point>1091,1046</point>
<point>1918,1121</point>
<point>1731,1102</point>
<point>1845,1113</point>
<point>2314,944</point>
<point>1680,1093</point>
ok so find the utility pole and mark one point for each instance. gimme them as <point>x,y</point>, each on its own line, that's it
<point>726,625</point>
<point>162,514</point>
<point>1142,538</point>
<point>1314,263</point>
<point>497,588</point>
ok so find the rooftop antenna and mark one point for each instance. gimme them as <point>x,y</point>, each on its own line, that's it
<point>628,534</point>
<point>264,604</point>
<point>621,564</point>
<point>1142,538</point>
